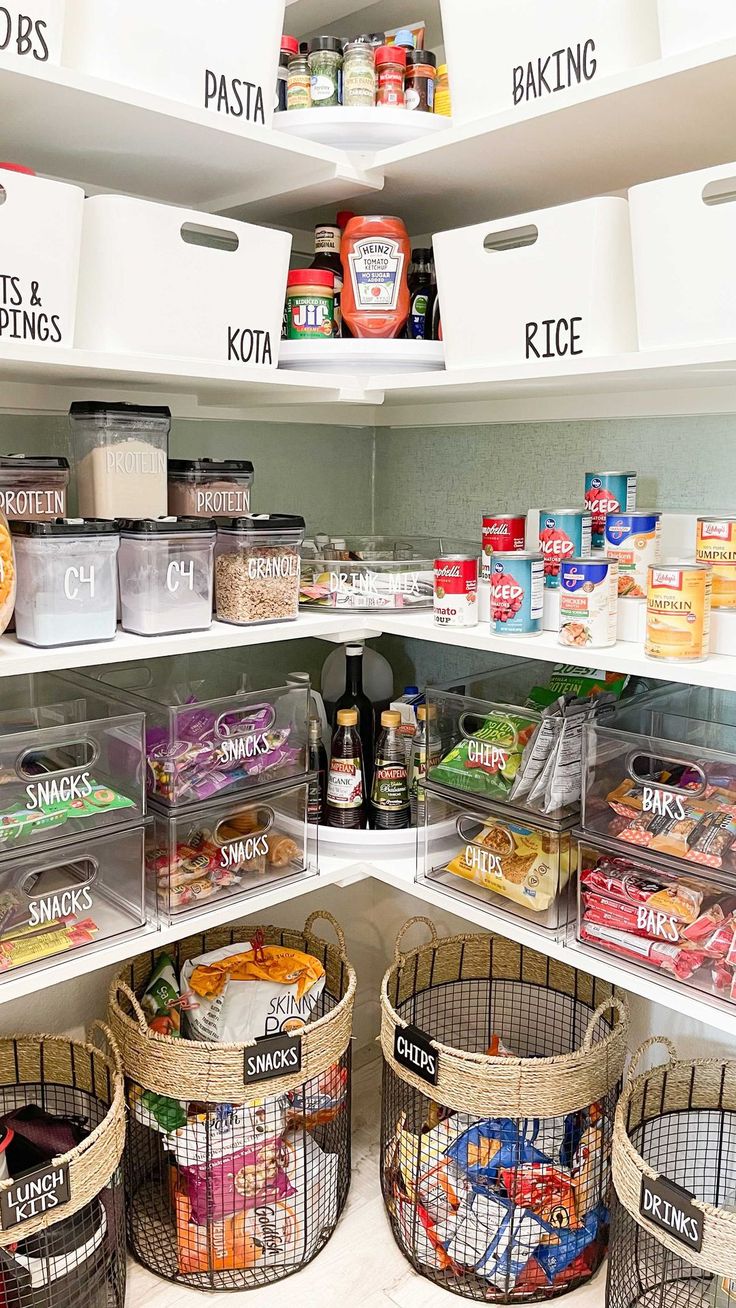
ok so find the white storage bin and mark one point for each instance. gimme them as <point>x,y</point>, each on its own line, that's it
<point>683,231</point>
<point>31,33</point>
<point>40,229</point>
<point>219,55</point>
<point>535,52</point>
<point>154,279</point>
<point>685,24</point>
<point>554,284</point>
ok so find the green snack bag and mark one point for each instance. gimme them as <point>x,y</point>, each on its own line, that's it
<point>487,762</point>
<point>566,679</point>
<point>168,1113</point>
<point>161,999</point>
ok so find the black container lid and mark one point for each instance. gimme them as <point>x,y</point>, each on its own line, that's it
<point>263,522</point>
<point>421,57</point>
<point>66,527</point>
<point>164,526</point>
<point>46,462</point>
<point>95,408</point>
<point>243,467</point>
<point>423,252</point>
<point>325,43</point>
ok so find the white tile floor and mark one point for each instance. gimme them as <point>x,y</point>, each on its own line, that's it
<point>361,1267</point>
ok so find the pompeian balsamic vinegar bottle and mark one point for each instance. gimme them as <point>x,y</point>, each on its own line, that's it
<point>355,697</point>
<point>317,763</point>
<point>390,795</point>
<point>346,795</point>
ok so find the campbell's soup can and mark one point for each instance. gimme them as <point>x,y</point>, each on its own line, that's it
<point>716,544</point>
<point>608,492</point>
<point>517,594</point>
<point>588,603</point>
<point>563,534</point>
<point>456,590</point>
<point>678,612</point>
<point>503,533</point>
<point>632,540</point>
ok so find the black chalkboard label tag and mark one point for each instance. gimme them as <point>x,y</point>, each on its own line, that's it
<point>670,1207</point>
<point>37,1192</point>
<point>414,1051</point>
<point>272,1056</point>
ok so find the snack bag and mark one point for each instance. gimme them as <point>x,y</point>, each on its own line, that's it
<point>161,1000</point>
<point>227,1129</point>
<point>490,1145</point>
<point>220,1246</point>
<point>318,1102</point>
<point>496,1239</point>
<point>555,1259</point>
<point>546,1190</point>
<point>245,991</point>
<point>250,1177</point>
<point>523,864</point>
<point>488,762</point>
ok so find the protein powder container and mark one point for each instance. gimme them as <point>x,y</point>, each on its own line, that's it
<point>210,488</point>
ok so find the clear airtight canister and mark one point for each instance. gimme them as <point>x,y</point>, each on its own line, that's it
<point>165,570</point>
<point>258,567</point>
<point>67,581</point>
<point>119,454</point>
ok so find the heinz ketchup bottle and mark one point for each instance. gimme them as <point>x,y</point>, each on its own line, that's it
<point>375,253</point>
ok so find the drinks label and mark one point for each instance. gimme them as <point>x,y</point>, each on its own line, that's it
<point>670,1207</point>
<point>345,783</point>
<point>376,268</point>
<point>390,786</point>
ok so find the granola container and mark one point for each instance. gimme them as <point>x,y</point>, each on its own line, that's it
<point>210,488</point>
<point>257,568</point>
<point>33,487</point>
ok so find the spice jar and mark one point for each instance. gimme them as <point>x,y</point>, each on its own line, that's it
<point>421,71</point>
<point>257,568</point>
<point>359,76</point>
<point>390,71</point>
<point>325,67</point>
<point>442,101</point>
<point>165,571</point>
<point>209,488</point>
<point>289,47</point>
<point>33,486</point>
<point>119,453</point>
<point>67,581</point>
<point>299,83</point>
<point>310,304</point>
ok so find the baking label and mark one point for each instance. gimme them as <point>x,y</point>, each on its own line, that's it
<point>669,1207</point>
<point>376,269</point>
<point>414,1051</point>
<point>272,1056</point>
<point>35,1193</point>
<point>547,74</point>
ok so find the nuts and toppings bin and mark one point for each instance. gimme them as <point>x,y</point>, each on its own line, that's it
<point>257,568</point>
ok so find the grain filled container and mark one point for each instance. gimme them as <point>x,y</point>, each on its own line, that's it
<point>119,454</point>
<point>165,571</point>
<point>67,580</point>
<point>257,568</point>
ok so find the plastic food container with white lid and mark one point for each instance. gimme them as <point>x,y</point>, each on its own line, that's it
<point>257,568</point>
<point>67,580</point>
<point>165,572</point>
<point>33,486</point>
<point>210,488</point>
<point>120,452</point>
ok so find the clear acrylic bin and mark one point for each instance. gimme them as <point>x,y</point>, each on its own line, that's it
<point>229,849</point>
<point>661,776</point>
<point>165,571</point>
<point>207,731</point>
<point>363,573</point>
<point>636,910</point>
<point>516,866</point>
<point>71,762</point>
<point>77,897</point>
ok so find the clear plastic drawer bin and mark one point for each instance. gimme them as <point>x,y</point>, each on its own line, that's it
<point>505,861</point>
<point>373,572</point>
<point>228,849</point>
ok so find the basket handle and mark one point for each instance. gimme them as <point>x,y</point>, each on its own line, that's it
<point>410,922</point>
<point>110,1044</point>
<point>613,1003</point>
<point>323,915</point>
<point>650,1044</point>
<point>118,988</point>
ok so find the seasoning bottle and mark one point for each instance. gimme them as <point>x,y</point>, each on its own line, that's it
<point>325,67</point>
<point>327,259</point>
<point>390,792</point>
<point>346,806</point>
<point>317,763</point>
<point>299,84</point>
<point>405,38</point>
<point>359,76</point>
<point>355,697</point>
<point>289,47</point>
<point>442,101</point>
<point>375,254</point>
<point>421,71</point>
<point>425,755</point>
<point>390,71</point>
<point>421,281</point>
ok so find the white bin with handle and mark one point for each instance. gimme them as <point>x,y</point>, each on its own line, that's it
<point>40,232</point>
<point>219,55</point>
<point>158,280</point>
<point>683,232</point>
<point>31,33</point>
<point>686,24</point>
<point>550,285</point>
<point>535,52</point>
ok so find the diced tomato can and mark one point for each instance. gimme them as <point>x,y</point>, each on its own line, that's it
<point>503,533</point>
<point>517,594</point>
<point>608,492</point>
<point>456,590</point>
<point>563,534</point>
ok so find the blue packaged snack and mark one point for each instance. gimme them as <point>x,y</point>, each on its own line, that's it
<point>482,1150</point>
<point>571,1243</point>
<point>496,1239</point>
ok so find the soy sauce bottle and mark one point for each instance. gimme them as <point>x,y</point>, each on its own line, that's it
<point>317,763</point>
<point>390,794</point>
<point>346,798</point>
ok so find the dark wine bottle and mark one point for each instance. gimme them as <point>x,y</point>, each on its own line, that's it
<point>317,763</point>
<point>346,795</point>
<point>355,697</point>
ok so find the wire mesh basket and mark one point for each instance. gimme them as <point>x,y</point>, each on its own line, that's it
<point>501,1073</point>
<point>673,1239</point>
<point>233,1183</point>
<point>62,1130</point>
